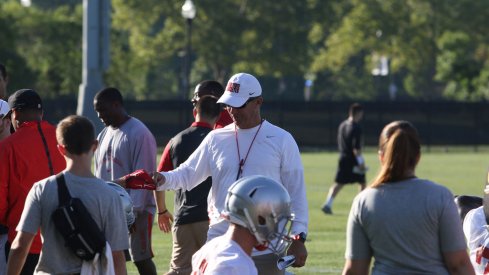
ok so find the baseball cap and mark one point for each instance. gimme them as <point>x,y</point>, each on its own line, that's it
<point>239,89</point>
<point>4,109</point>
<point>24,99</point>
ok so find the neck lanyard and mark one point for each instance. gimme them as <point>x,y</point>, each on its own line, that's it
<point>241,162</point>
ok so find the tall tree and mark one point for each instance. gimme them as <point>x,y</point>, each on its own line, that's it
<point>48,44</point>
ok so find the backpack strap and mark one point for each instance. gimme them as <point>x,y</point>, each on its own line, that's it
<point>63,193</point>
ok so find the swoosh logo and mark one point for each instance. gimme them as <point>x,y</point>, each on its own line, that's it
<point>270,136</point>
<point>252,93</point>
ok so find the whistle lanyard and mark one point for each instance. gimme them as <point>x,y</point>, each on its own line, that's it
<point>241,162</point>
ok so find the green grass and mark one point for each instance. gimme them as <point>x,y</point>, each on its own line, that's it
<point>463,172</point>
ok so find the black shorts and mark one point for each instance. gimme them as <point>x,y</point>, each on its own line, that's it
<point>345,174</point>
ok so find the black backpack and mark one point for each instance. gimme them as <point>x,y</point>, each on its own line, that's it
<point>74,223</point>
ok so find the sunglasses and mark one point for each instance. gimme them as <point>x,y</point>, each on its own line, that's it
<point>244,105</point>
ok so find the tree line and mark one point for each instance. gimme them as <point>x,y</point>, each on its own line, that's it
<point>348,49</point>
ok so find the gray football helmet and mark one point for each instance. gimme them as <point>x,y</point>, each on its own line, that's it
<point>261,205</point>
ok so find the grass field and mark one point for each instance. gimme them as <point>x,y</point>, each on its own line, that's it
<point>462,171</point>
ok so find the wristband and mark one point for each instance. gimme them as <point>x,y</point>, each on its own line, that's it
<point>360,160</point>
<point>301,237</point>
<point>163,212</point>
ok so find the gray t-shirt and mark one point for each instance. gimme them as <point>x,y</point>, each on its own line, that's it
<point>406,226</point>
<point>124,150</point>
<point>103,203</point>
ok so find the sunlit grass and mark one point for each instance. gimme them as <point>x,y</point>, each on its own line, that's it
<point>462,171</point>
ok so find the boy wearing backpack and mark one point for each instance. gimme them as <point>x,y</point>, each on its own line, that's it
<point>77,143</point>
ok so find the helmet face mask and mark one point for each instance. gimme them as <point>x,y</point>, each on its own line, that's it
<point>283,235</point>
<point>263,207</point>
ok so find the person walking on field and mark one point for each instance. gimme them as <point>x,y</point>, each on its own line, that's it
<point>407,224</point>
<point>258,210</point>
<point>351,164</point>
<point>77,143</point>
<point>191,220</point>
<point>249,146</point>
<point>26,156</point>
<point>126,145</point>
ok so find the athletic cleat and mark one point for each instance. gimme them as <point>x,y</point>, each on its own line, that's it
<point>327,210</point>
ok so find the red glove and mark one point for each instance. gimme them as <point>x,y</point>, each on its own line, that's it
<point>139,179</point>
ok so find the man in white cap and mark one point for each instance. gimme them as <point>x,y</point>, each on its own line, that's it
<point>249,146</point>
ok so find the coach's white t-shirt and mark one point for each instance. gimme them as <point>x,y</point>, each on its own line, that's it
<point>222,256</point>
<point>273,153</point>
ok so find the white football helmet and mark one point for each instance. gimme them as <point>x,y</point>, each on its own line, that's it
<point>261,205</point>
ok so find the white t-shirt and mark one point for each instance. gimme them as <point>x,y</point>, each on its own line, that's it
<point>274,154</point>
<point>477,235</point>
<point>222,256</point>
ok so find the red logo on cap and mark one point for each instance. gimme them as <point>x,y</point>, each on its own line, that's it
<point>233,87</point>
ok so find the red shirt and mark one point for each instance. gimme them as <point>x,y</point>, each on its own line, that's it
<point>23,161</point>
<point>224,120</point>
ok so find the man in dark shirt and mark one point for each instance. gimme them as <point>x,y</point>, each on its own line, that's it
<point>351,165</point>
<point>191,219</point>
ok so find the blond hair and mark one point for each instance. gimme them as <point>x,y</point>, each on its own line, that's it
<point>400,146</point>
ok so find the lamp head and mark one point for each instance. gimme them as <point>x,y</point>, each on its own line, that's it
<point>188,10</point>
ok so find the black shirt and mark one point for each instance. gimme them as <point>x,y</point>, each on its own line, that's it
<point>190,206</point>
<point>349,137</point>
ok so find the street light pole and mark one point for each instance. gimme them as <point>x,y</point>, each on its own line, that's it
<point>188,12</point>
<point>188,56</point>
<point>96,56</point>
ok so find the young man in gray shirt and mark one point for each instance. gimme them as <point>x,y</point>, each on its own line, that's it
<point>77,143</point>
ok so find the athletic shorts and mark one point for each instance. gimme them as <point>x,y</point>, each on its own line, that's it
<point>345,174</point>
<point>140,240</point>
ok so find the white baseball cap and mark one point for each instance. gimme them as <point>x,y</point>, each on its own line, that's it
<point>239,89</point>
<point>4,108</point>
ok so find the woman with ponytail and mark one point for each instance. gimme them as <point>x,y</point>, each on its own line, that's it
<point>409,225</point>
